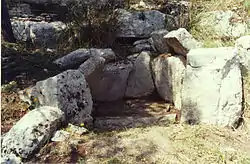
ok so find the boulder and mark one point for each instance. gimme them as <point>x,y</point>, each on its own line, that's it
<point>222,24</point>
<point>113,81</point>
<point>32,132</point>
<point>41,34</point>
<point>67,91</point>
<point>212,87</point>
<point>181,41</point>
<point>139,24</point>
<point>159,42</point>
<point>77,57</point>
<point>141,45</point>
<point>168,76</point>
<point>140,81</point>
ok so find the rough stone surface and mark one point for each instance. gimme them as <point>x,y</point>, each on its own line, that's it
<point>60,136</point>
<point>20,10</point>
<point>32,131</point>
<point>212,87</point>
<point>181,41</point>
<point>223,24</point>
<point>141,45</point>
<point>77,57</point>
<point>67,91</point>
<point>113,81</point>
<point>11,158</point>
<point>140,81</point>
<point>168,76</point>
<point>159,42</point>
<point>242,46</point>
<point>41,34</point>
<point>139,24</point>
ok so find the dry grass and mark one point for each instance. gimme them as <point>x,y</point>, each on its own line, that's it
<point>208,37</point>
<point>174,144</point>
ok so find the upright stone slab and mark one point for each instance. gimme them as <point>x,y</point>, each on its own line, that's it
<point>67,91</point>
<point>112,83</point>
<point>140,81</point>
<point>168,75</point>
<point>212,87</point>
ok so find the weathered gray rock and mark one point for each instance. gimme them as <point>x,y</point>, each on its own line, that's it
<point>60,136</point>
<point>11,158</point>
<point>222,24</point>
<point>212,87</point>
<point>77,57</point>
<point>113,81</point>
<point>168,76</point>
<point>159,42</point>
<point>67,91</point>
<point>139,24</point>
<point>141,45</point>
<point>140,81</point>
<point>41,34</point>
<point>32,131</point>
<point>20,10</point>
<point>181,41</point>
<point>242,46</point>
<point>92,65</point>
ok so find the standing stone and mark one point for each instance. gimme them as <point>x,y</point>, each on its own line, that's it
<point>32,132</point>
<point>67,91</point>
<point>140,82</point>
<point>113,81</point>
<point>181,41</point>
<point>212,87</point>
<point>168,75</point>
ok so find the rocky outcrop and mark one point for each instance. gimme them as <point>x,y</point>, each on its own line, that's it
<point>159,42</point>
<point>212,87</point>
<point>139,24</point>
<point>181,41</point>
<point>168,76</point>
<point>222,24</point>
<point>140,82</point>
<point>31,132</point>
<point>113,81</point>
<point>40,34</point>
<point>67,91</point>
<point>77,57</point>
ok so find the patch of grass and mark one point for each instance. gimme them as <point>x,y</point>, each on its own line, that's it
<point>206,35</point>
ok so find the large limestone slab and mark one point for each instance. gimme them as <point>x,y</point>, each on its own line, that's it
<point>67,91</point>
<point>140,81</point>
<point>212,87</point>
<point>31,132</point>
<point>112,83</point>
<point>168,75</point>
